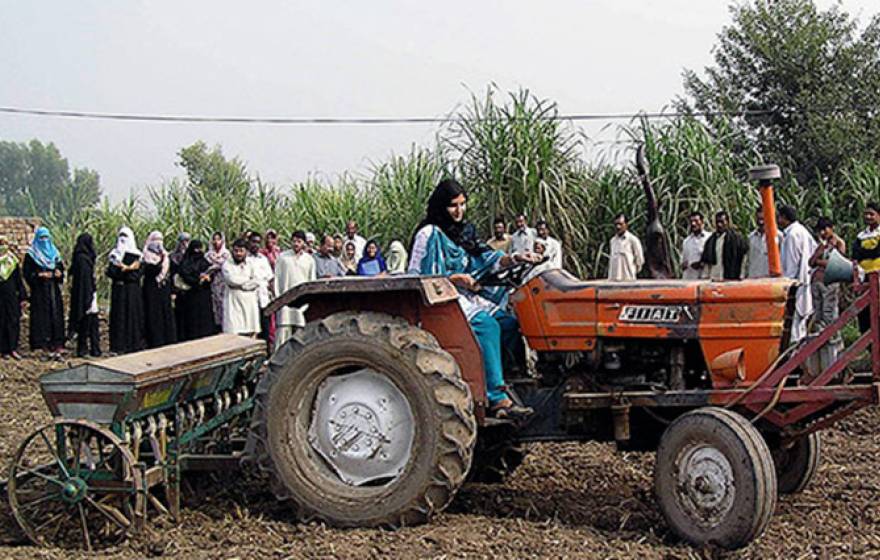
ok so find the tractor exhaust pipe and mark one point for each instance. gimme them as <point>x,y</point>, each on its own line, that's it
<point>764,175</point>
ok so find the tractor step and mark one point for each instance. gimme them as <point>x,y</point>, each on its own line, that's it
<point>490,422</point>
<point>521,381</point>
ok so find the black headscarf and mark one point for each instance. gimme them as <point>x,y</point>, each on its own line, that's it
<point>82,275</point>
<point>462,233</point>
<point>194,263</point>
<point>85,246</point>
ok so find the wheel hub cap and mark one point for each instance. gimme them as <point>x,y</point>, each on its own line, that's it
<point>73,490</point>
<point>706,488</point>
<point>362,426</point>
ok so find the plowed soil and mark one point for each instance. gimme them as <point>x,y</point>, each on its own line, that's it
<point>566,500</point>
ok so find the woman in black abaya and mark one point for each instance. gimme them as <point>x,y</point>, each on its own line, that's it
<point>159,324</point>
<point>126,300</point>
<point>83,319</point>
<point>44,274</point>
<point>194,303</point>
<point>12,298</point>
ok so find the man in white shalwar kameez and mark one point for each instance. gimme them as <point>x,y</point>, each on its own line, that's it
<point>626,256</point>
<point>241,308</point>
<point>351,234</point>
<point>759,264</point>
<point>552,246</point>
<point>292,268</point>
<point>692,249</point>
<point>264,275</point>
<point>798,246</point>
<point>523,238</point>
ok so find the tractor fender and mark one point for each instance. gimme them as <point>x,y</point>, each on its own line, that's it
<point>433,290</point>
<point>427,302</point>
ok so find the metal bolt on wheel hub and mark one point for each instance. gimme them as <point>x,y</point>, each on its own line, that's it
<point>705,489</point>
<point>74,490</point>
<point>362,425</point>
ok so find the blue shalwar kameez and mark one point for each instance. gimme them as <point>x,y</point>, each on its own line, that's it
<point>434,253</point>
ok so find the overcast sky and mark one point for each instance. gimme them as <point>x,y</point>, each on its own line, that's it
<point>326,59</point>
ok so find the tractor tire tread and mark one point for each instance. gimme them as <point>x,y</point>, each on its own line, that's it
<point>451,396</point>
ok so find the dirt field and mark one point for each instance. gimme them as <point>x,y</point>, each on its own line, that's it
<point>567,500</point>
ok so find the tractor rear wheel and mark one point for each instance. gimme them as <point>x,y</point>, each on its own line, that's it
<point>714,478</point>
<point>363,420</point>
<point>797,463</point>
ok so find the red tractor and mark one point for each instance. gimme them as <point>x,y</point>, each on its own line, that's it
<point>375,413</point>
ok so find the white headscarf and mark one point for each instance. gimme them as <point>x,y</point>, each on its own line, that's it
<point>397,258</point>
<point>155,253</point>
<point>125,243</point>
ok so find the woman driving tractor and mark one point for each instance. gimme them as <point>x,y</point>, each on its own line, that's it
<point>447,245</point>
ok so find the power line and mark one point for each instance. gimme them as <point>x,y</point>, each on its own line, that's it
<point>391,120</point>
<point>343,120</point>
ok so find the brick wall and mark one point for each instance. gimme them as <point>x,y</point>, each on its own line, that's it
<point>20,232</point>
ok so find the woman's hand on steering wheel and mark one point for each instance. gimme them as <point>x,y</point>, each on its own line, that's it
<point>465,281</point>
<point>533,258</point>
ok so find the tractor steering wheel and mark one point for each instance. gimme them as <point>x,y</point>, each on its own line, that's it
<point>508,276</point>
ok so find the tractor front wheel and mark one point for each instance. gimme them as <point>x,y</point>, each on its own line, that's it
<point>797,462</point>
<point>363,420</point>
<point>714,478</point>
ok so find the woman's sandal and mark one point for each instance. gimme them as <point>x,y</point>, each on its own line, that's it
<point>508,410</point>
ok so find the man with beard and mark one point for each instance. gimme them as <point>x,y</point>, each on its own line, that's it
<point>241,308</point>
<point>500,240</point>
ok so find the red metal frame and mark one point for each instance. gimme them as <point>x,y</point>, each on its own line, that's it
<point>816,394</point>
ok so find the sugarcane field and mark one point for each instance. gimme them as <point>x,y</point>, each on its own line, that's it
<point>471,280</point>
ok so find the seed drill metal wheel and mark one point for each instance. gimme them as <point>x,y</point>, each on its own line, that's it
<point>714,478</point>
<point>72,485</point>
<point>797,463</point>
<point>363,420</point>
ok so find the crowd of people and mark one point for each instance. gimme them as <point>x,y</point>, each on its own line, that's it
<point>196,290</point>
<point>159,297</point>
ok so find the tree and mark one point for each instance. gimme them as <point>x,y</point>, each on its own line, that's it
<point>36,179</point>
<point>209,171</point>
<point>809,79</point>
